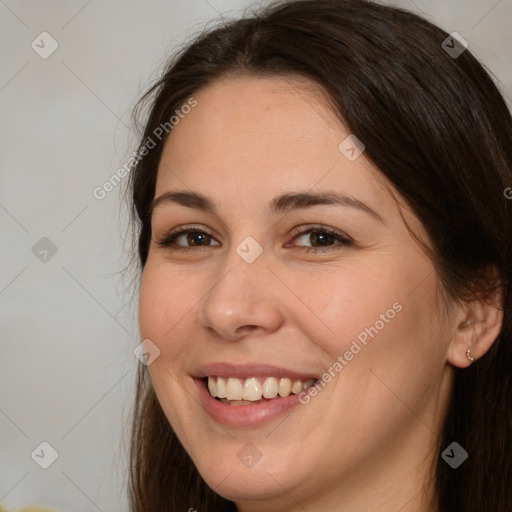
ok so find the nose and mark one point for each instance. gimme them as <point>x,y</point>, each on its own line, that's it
<point>244,299</point>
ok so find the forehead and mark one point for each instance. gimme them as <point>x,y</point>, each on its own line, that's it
<point>250,139</point>
<point>277,130</point>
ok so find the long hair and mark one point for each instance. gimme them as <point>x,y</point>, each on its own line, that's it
<point>437,127</point>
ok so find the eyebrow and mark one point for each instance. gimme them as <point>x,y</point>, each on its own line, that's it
<point>280,204</point>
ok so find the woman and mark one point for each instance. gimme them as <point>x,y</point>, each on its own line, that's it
<point>325,244</point>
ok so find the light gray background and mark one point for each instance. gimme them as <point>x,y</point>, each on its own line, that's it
<point>69,326</point>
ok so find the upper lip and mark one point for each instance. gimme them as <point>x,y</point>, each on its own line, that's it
<point>249,370</point>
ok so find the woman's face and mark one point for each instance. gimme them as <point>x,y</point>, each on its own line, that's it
<point>276,288</point>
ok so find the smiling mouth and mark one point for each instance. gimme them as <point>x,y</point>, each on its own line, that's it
<point>254,390</point>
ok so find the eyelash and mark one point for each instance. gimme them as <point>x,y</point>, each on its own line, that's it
<point>168,241</point>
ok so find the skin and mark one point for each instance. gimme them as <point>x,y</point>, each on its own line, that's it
<point>367,440</point>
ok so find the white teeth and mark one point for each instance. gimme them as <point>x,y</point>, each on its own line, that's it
<point>212,387</point>
<point>235,390</point>
<point>221,387</point>
<point>307,384</point>
<point>270,387</point>
<point>252,389</point>
<point>296,387</point>
<point>285,387</point>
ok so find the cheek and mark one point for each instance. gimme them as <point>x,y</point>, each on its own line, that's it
<point>164,301</point>
<point>151,305</point>
<point>347,299</point>
<point>401,359</point>
<point>379,313</point>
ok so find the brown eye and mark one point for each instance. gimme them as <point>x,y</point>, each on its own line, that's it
<point>187,238</point>
<point>322,239</point>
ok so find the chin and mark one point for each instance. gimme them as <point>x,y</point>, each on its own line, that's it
<point>230,478</point>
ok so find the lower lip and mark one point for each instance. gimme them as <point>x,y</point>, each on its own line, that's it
<point>245,415</point>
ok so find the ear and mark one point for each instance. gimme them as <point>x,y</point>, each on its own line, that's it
<point>477,325</point>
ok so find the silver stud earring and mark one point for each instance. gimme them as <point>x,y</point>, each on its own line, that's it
<point>468,351</point>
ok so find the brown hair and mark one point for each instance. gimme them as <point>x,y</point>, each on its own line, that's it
<point>439,130</point>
